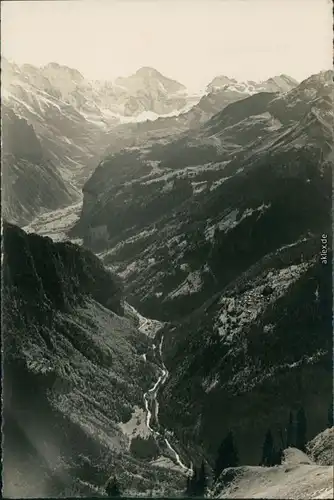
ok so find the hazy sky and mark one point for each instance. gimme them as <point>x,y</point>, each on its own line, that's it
<point>189,40</point>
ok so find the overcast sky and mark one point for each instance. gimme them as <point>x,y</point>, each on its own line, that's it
<point>189,40</point>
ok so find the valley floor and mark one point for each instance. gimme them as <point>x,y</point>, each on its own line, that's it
<point>56,223</point>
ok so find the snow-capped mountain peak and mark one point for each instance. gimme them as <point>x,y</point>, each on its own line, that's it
<point>56,70</point>
<point>281,83</point>
<point>147,78</point>
<point>148,71</point>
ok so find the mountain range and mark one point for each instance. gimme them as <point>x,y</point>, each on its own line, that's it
<point>280,83</point>
<point>195,298</point>
<point>76,119</point>
<point>200,228</point>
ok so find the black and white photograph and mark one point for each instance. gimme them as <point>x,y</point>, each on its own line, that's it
<point>167,249</point>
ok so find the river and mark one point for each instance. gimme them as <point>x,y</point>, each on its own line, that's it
<point>151,397</point>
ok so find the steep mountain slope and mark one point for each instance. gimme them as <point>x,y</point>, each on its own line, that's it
<point>30,180</point>
<point>221,232</point>
<point>165,174</point>
<point>74,376</point>
<point>73,139</point>
<point>292,106</point>
<point>260,347</point>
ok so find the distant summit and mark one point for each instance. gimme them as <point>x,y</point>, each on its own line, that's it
<point>33,91</point>
<point>60,69</point>
<point>148,71</point>
<point>147,77</point>
<point>281,83</point>
<point>220,81</point>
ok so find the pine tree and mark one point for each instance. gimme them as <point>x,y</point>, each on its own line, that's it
<point>290,434</point>
<point>112,488</point>
<point>330,422</point>
<point>301,430</point>
<point>187,490</point>
<point>283,442</point>
<point>268,451</point>
<point>227,455</point>
<point>201,481</point>
<point>191,483</point>
<point>197,483</point>
<point>277,457</point>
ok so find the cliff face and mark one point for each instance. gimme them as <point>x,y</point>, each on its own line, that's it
<point>74,372</point>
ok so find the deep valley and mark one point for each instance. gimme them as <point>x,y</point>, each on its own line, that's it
<point>167,315</point>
